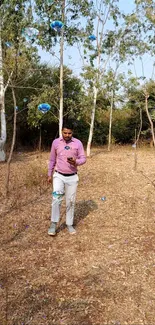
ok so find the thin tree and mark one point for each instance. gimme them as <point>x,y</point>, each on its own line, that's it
<point>2,107</point>
<point>146,94</point>
<point>13,17</point>
<point>69,13</point>
<point>13,141</point>
<point>61,69</point>
<point>108,43</point>
<point>112,98</point>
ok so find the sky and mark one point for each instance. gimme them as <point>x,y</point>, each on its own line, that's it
<point>73,61</point>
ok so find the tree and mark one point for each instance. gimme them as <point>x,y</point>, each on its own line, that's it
<point>141,97</point>
<point>108,47</point>
<point>69,14</point>
<point>113,81</point>
<point>145,13</point>
<point>14,16</point>
<point>2,106</point>
<point>73,97</point>
<point>131,35</point>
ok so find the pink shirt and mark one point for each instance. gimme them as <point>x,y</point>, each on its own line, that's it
<point>60,150</point>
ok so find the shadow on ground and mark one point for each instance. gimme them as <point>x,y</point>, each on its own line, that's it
<point>82,209</point>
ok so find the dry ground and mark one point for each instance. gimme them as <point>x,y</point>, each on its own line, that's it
<point>103,275</point>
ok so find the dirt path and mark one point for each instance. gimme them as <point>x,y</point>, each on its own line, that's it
<point>103,275</point>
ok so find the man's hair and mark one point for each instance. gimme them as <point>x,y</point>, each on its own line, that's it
<point>68,125</point>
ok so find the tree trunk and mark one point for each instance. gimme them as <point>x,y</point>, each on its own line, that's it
<point>92,122</point>
<point>2,108</point>
<point>140,128</point>
<point>12,144</point>
<point>40,139</point>
<point>149,118</point>
<point>61,71</point>
<point>110,120</point>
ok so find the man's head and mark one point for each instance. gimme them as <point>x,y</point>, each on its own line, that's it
<point>67,131</point>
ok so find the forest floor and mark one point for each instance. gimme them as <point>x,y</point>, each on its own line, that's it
<point>103,275</point>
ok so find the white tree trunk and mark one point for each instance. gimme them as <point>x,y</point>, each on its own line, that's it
<point>61,71</point>
<point>61,87</point>
<point>2,108</point>
<point>110,120</point>
<point>12,145</point>
<point>92,122</point>
<point>149,118</point>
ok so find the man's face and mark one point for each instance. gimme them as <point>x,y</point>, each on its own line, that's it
<point>67,134</point>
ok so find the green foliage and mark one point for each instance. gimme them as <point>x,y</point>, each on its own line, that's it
<point>14,17</point>
<point>123,130</point>
<point>17,54</point>
<point>129,36</point>
<point>136,102</point>
<point>70,13</point>
<point>124,125</point>
<point>73,95</point>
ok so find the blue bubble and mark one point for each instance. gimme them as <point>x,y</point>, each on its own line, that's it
<point>92,37</point>
<point>56,25</point>
<point>44,107</point>
<point>57,193</point>
<point>103,198</point>
<point>8,44</point>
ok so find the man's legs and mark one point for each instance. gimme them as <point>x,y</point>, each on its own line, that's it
<point>58,186</point>
<point>71,184</point>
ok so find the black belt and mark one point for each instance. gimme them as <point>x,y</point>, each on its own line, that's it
<point>65,174</point>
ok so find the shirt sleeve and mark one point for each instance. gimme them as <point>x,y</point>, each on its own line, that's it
<point>81,159</point>
<point>52,159</point>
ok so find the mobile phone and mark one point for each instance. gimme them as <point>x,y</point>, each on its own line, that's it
<point>69,158</point>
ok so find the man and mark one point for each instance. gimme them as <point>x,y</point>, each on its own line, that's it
<point>66,154</point>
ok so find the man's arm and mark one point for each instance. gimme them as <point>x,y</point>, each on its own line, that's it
<point>81,155</point>
<point>52,161</point>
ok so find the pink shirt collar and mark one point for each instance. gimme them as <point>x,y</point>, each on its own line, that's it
<point>62,139</point>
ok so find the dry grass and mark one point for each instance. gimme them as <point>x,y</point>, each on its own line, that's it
<point>103,275</point>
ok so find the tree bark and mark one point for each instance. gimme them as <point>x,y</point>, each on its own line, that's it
<point>2,108</point>
<point>12,144</point>
<point>149,118</point>
<point>110,120</point>
<point>92,122</point>
<point>61,71</point>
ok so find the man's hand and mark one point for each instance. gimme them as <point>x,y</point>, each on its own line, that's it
<point>72,161</point>
<point>49,179</point>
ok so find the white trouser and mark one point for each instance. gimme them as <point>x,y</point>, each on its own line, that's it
<point>67,185</point>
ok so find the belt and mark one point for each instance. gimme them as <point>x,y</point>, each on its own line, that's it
<point>65,174</point>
